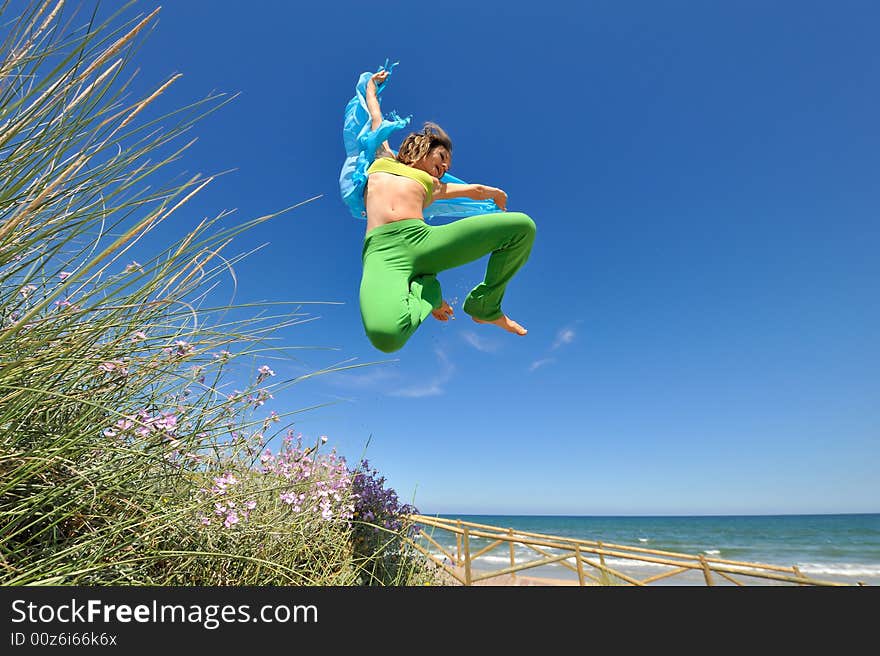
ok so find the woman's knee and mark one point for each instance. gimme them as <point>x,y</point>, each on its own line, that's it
<point>523,223</point>
<point>388,333</point>
<point>386,341</point>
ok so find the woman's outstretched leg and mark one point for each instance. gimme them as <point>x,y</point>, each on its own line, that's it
<point>507,236</point>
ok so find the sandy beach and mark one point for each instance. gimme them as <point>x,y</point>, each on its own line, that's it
<point>510,579</point>
<point>513,579</point>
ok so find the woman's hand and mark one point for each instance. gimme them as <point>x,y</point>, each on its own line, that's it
<point>443,313</point>
<point>379,78</point>
<point>494,194</point>
<point>500,199</point>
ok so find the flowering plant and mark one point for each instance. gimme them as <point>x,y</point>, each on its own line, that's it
<point>380,524</point>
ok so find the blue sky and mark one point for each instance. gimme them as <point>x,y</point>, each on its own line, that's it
<point>702,296</point>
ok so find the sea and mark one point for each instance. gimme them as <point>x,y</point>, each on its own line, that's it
<point>841,548</point>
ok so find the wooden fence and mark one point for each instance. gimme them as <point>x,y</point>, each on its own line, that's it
<point>586,559</point>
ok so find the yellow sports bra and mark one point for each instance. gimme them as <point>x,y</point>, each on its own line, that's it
<point>388,165</point>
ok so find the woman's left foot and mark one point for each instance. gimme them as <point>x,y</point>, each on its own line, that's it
<point>505,322</point>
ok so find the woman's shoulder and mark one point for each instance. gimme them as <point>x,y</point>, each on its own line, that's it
<point>385,152</point>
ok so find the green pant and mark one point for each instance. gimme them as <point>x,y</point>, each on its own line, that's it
<point>399,286</point>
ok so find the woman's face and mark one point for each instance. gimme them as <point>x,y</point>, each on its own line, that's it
<point>436,162</point>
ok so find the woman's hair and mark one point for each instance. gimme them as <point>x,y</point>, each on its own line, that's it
<point>418,144</point>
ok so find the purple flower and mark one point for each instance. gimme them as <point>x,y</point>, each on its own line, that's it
<point>375,505</point>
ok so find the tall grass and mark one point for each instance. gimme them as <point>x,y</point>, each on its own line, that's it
<point>127,456</point>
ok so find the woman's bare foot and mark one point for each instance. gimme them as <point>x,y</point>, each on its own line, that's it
<point>505,322</point>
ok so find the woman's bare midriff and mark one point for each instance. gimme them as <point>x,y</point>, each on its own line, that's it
<point>391,198</point>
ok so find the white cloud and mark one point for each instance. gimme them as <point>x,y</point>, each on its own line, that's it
<point>479,343</point>
<point>377,376</point>
<point>432,389</point>
<point>564,336</point>
<point>540,363</point>
<point>435,386</point>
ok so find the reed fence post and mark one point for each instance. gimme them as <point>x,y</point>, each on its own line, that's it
<point>467,558</point>
<point>458,544</point>
<point>707,571</point>
<point>580,564</point>
<point>601,555</point>
<point>512,563</point>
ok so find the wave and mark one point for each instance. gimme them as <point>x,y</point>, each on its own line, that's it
<point>813,569</point>
<point>841,569</point>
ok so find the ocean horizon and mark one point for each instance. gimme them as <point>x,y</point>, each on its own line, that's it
<point>835,547</point>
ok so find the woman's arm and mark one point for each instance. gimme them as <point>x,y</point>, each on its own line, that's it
<point>473,191</point>
<point>375,111</point>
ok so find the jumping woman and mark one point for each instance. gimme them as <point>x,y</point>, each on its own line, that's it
<point>402,254</point>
